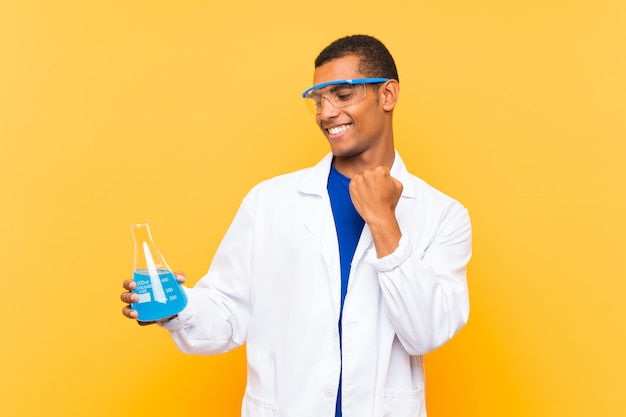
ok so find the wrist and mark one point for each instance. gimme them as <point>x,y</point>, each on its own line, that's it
<point>386,237</point>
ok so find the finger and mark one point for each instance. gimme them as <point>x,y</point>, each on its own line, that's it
<point>129,285</point>
<point>130,313</point>
<point>129,297</point>
<point>397,184</point>
<point>383,170</point>
<point>180,276</point>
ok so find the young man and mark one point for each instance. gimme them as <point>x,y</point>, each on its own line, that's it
<point>338,277</point>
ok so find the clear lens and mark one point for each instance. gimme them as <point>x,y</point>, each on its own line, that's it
<point>337,95</point>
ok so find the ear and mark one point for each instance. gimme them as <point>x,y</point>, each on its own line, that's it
<point>389,94</point>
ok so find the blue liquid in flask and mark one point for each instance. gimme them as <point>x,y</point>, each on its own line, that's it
<point>160,295</point>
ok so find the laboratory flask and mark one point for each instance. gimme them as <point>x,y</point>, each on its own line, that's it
<point>160,294</point>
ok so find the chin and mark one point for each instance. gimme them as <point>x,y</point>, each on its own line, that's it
<point>344,153</point>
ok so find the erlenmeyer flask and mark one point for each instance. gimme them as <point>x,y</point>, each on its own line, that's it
<point>160,294</point>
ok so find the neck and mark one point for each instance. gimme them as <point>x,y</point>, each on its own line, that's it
<point>356,164</point>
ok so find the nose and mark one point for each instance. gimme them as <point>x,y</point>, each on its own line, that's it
<point>326,110</point>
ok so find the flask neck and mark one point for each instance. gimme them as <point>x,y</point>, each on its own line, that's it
<point>141,233</point>
<point>147,255</point>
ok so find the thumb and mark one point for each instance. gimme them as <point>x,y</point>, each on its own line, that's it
<point>398,185</point>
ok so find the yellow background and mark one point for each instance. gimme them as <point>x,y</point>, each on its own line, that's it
<point>117,112</point>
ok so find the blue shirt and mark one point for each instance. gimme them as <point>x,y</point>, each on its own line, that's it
<point>349,225</point>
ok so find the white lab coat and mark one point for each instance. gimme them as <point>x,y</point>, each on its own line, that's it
<point>274,284</point>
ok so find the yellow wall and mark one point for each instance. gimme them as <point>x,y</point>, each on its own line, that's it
<point>117,112</point>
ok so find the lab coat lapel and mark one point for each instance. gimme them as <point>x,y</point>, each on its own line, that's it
<point>324,230</point>
<point>365,242</point>
<point>320,223</point>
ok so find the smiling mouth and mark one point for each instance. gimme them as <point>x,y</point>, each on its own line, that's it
<point>335,130</point>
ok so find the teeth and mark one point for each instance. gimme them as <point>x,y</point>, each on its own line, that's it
<point>338,129</point>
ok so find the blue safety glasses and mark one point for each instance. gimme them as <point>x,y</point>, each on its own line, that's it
<point>339,93</point>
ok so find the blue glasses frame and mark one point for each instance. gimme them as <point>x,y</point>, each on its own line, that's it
<point>352,82</point>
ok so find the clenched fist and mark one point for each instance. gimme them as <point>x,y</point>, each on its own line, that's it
<point>375,194</point>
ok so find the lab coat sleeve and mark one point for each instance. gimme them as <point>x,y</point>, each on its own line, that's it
<point>217,315</point>
<point>425,291</point>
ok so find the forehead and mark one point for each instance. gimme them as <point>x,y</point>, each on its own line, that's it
<point>345,68</point>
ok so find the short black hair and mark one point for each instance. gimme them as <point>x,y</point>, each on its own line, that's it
<point>375,58</point>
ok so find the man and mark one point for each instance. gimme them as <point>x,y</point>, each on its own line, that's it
<point>338,277</point>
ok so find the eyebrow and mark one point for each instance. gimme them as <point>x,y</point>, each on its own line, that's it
<point>336,87</point>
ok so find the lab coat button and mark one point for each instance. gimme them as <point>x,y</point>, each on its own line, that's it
<point>330,392</point>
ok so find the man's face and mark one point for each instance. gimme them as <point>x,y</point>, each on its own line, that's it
<point>357,128</point>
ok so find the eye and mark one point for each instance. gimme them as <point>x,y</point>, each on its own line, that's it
<point>343,93</point>
<point>316,99</point>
